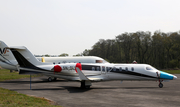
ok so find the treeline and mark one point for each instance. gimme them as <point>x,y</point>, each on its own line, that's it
<point>161,50</point>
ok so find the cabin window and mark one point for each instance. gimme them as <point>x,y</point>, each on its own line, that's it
<point>114,69</point>
<point>120,69</point>
<point>54,63</point>
<point>93,69</point>
<point>132,68</point>
<point>59,63</point>
<point>97,68</point>
<point>107,69</point>
<point>103,68</point>
<point>126,68</point>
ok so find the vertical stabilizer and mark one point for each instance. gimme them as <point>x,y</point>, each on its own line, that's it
<point>7,59</point>
<point>24,57</point>
<point>5,54</point>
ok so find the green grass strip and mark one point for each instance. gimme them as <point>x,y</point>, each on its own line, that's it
<point>6,75</point>
<point>14,99</point>
<point>10,98</point>
<point>172,71</point>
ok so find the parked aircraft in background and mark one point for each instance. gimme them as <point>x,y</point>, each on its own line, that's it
<point>8,61</point>
<point>87,73</point>
<point>76,59</point>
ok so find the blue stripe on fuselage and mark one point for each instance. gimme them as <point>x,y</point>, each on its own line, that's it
<point>165,75</point>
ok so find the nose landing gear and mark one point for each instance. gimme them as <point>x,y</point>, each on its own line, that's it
<point>160,81</point>
<point>160,85</point>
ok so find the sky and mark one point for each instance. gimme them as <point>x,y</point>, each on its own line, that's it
<point>71,26</point>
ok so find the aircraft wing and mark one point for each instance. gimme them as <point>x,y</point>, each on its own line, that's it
<point>83,77</point>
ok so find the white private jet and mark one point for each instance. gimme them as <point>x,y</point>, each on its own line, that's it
<point>87,73</point>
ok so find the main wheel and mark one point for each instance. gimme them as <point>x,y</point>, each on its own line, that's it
<point>83,84</point>
<point>160,85</point>
<point>49,79</point>
<point>54,79</point>
<point>87,87</point>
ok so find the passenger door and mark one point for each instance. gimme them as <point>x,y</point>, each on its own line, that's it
<point>103,70</point>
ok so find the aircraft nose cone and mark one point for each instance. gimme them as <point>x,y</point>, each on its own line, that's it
<point>174,77</point>
<point>165,75</point>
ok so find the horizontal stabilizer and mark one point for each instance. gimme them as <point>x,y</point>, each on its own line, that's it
<point>17,47</point>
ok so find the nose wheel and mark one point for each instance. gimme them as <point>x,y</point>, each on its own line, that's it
<point>160,81</point>
<point>160,85</point>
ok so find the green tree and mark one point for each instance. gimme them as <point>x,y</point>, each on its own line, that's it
<point>63,54</point>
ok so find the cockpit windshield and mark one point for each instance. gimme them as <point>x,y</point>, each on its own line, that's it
<point>149,68</point>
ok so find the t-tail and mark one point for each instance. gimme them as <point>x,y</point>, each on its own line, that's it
<point>7,59</point>
<point>26,60</point>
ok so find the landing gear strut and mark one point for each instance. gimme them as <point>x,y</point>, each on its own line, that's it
<point>52,79</point>
<point>160,85</point>
<point>85,84</point>
<point>160,81</point>
<point>49,79</point>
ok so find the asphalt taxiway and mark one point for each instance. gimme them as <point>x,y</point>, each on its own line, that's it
<point>101,94</point>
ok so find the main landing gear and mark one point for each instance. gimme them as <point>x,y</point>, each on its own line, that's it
<point>85,84</point>
<point>52,79</point>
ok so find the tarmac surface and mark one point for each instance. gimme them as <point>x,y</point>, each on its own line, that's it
<point>101,94</point>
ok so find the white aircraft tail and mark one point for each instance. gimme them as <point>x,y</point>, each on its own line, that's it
<point>24,57</point>
<point>6,55</point>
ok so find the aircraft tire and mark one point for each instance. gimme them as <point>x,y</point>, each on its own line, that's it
<point>83,84</point>
<point>160,85</point>
<point>87,87</point>
<point>49,79</point>
<point>54,79</point>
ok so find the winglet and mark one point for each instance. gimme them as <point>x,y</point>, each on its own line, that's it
<point>81,75</point>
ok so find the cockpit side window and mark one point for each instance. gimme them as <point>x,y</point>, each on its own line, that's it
<point>149,68</point>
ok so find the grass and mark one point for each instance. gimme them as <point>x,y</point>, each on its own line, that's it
<point>172,71</point>
<point>6,75</point>
<point>10,98</point>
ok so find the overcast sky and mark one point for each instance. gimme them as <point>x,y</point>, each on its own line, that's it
<point>71,26</point>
